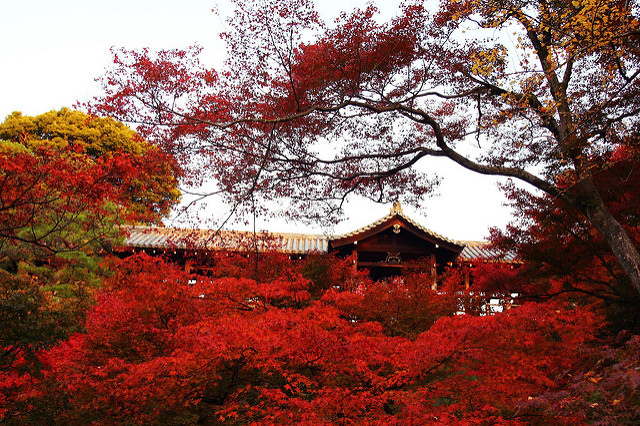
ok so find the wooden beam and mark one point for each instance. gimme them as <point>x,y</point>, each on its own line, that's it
<point>380,264</point>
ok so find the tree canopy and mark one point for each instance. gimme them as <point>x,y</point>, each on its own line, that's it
<point>563,255</point>
<point>68,181</point>
<point>139,171</point>
<point>308,111</point>
<point>263,338</point>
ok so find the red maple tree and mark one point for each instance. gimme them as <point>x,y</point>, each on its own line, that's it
<point>564,256</point>
<point>313,113</point>
<point>158,349</point>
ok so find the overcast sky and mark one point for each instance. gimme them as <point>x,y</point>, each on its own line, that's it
<point>53,50</point>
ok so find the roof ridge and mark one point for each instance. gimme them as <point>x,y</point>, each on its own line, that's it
<point>168,229</point>
<point>476,242</point>
<point>401,214</point>
<point>364,228</point>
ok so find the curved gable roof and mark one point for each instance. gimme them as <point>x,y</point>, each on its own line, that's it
<point>396,217</point>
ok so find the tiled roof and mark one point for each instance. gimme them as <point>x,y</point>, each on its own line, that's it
<point>480,250</point>
<point>145,237</point>
<point>201,239</point>
<point>302,243</point>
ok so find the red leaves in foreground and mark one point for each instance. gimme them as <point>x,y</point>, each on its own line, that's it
<point>157,349</point>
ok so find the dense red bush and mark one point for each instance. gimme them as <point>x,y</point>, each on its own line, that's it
<point>233,349</point>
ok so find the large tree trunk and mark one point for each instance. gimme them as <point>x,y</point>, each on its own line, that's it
<point>585,198</point>
<point>623,247</point>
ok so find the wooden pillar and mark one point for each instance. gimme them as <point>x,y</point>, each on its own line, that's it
<point>434,272</point>
<point>467,272</point>
<point>354,255</point>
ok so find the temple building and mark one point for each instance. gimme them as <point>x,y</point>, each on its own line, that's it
<point>382,247</point>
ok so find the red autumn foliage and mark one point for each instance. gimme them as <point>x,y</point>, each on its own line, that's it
<point>48,192</point>
<point>49,188</point>
<point>563,254</point>
<point>235,350</point>
<point>61,201</point>
<point>498,278</point>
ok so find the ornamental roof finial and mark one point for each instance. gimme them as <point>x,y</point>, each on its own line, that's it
<point>396,208</point>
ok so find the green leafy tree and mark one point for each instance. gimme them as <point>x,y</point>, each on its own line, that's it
<point>152,191</point>
<point>68,182</point>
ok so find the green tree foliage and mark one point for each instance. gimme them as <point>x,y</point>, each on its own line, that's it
<point>68,181</point>
<point>151,193</point>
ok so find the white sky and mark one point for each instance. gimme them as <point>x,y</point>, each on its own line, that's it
<point>52,51</point>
